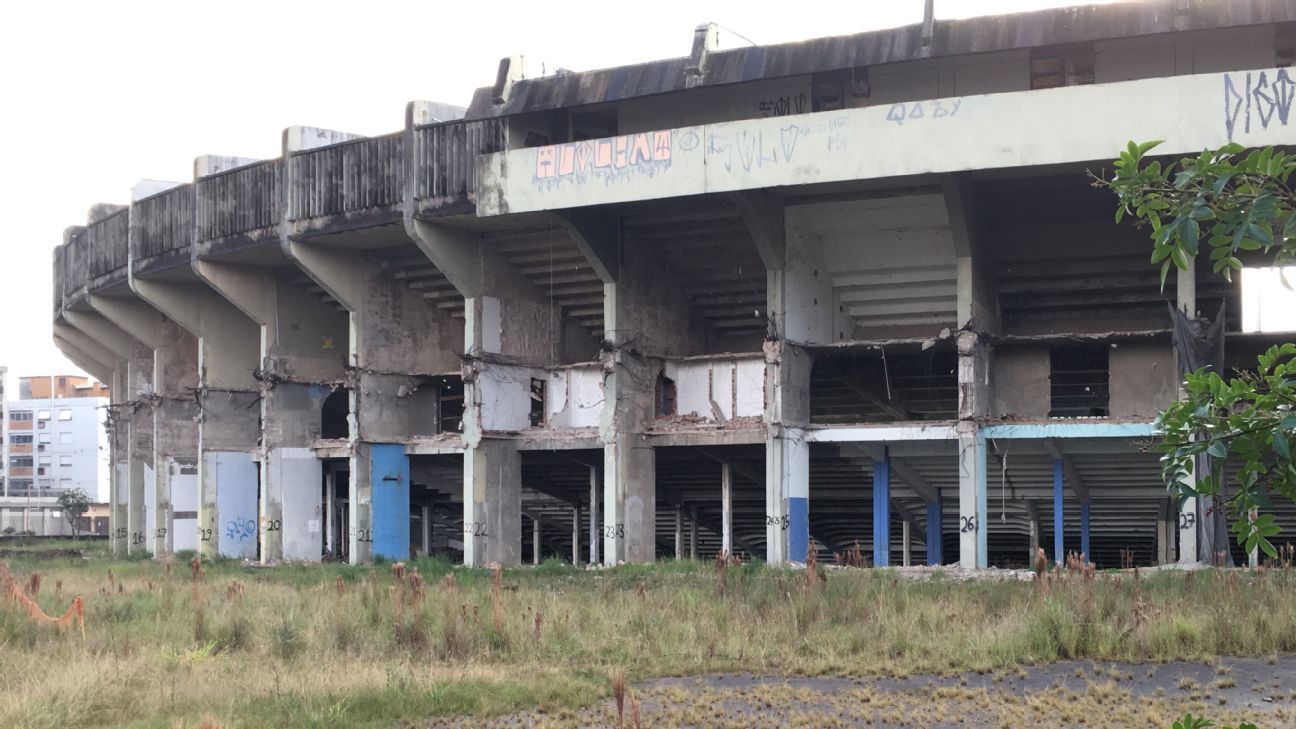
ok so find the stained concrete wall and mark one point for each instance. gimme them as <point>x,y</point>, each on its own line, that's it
<point>299,476</point>
<point>1142,379</point>
<point>1013,129</point>
<point>719,389</point>
<point>1020,382</point>
<point>235,532</point>
<point>574,397</point>
<point>651,313</point>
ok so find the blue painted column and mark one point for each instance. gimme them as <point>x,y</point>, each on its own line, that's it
<point>934,532</point>
<point>1084,531</point>
<point>1058,555</point>
<point>882,510</point>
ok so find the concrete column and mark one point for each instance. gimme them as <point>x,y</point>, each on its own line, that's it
<point>787,496</point>
<point>175,434</point>
<point>593,516</point>
<point>227,344</point>
<point>330,495</point>
<point>1189,516</point>
<point>575,536</point>
<point>646,317</point>
<point>693,535</point>
<point>977,315</point>
<point>1084,531</point>
<point>1034,544</point>
<point>394,336</point>
<point>492,504</point>
<point>301,359</point>
<point>535,541</point>
<point>679,532</point>
<point>726,508</point>
<point>511,332</point>
<point>1253,557</point>
<point>426,522</point>
<point>972,502</point>
<point>934,544</point>
<point>882,511</point>
<point>1059,521</point>
<point>908,554</point>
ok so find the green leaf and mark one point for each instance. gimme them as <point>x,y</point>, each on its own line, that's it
<point>1281,446</point>
<point>1217,449</point>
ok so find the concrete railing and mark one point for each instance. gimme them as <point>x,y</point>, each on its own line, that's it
<point>240,201</point>
<point>163,223</point>
<point>445,157</point>
<point>360,174</point>
<point>107,245</point>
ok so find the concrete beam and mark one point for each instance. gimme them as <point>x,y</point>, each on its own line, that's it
<point>1078,487</point>
<point>107,334</point>
<point>762,213</point>
<point>899,467</point>
<point>135,317</point>
<point>102,370</point>
<point>228,340</point>
<point>598,236</point>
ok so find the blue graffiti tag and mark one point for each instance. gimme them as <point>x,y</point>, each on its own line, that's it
<point>240,529</point>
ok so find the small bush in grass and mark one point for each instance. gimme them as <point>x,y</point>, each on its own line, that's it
<point>286,639</point>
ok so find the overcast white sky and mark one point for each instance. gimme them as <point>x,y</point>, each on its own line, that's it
<point>99,95</point>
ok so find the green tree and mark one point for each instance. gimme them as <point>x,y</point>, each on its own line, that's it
<point>74,504</point>
<point>1224,203</point>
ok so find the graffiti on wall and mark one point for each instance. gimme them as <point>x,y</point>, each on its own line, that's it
<point>1257,99</point>
<point>934,109</point>
<point>608,159</point>
<point>240,529</point>
<point>783,105</point>
<point>758,148</point>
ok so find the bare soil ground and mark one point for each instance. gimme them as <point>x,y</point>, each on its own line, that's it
<point>1066,694</point>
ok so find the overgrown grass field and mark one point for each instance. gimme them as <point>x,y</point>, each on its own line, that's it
<point>342,646</point>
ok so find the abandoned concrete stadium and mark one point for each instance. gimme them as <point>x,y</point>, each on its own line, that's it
<point>852,290</point>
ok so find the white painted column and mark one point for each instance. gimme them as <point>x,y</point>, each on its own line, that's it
<point>427,530</point>
<point>575,536</point>
<point>904,536</point>
<point>1186,287</point>
<point>726,508</point>
<point>593,516</point>
<point>330,493</point>
<point>535,541</point>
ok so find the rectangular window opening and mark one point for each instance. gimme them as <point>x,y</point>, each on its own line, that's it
<point>537,413</point>
<point>1079,381</point>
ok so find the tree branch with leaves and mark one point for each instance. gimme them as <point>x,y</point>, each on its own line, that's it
<point>1230,202</point>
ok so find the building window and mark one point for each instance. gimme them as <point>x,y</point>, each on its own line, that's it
<point>65,438</point>
<point>46,484</point>
<point>21,439</point>
<point>44,461</point>
<point>44,438</point>
<point>1053,68</point>
<point>42,415</point>
<point>1079,381</point>
<point>20,461</point>
<point>65,414</point>
<point>65,483</point>
<point>20,416</point>
<point>65,461</point>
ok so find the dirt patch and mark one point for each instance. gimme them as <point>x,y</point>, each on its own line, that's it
<point>1088,694</point>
